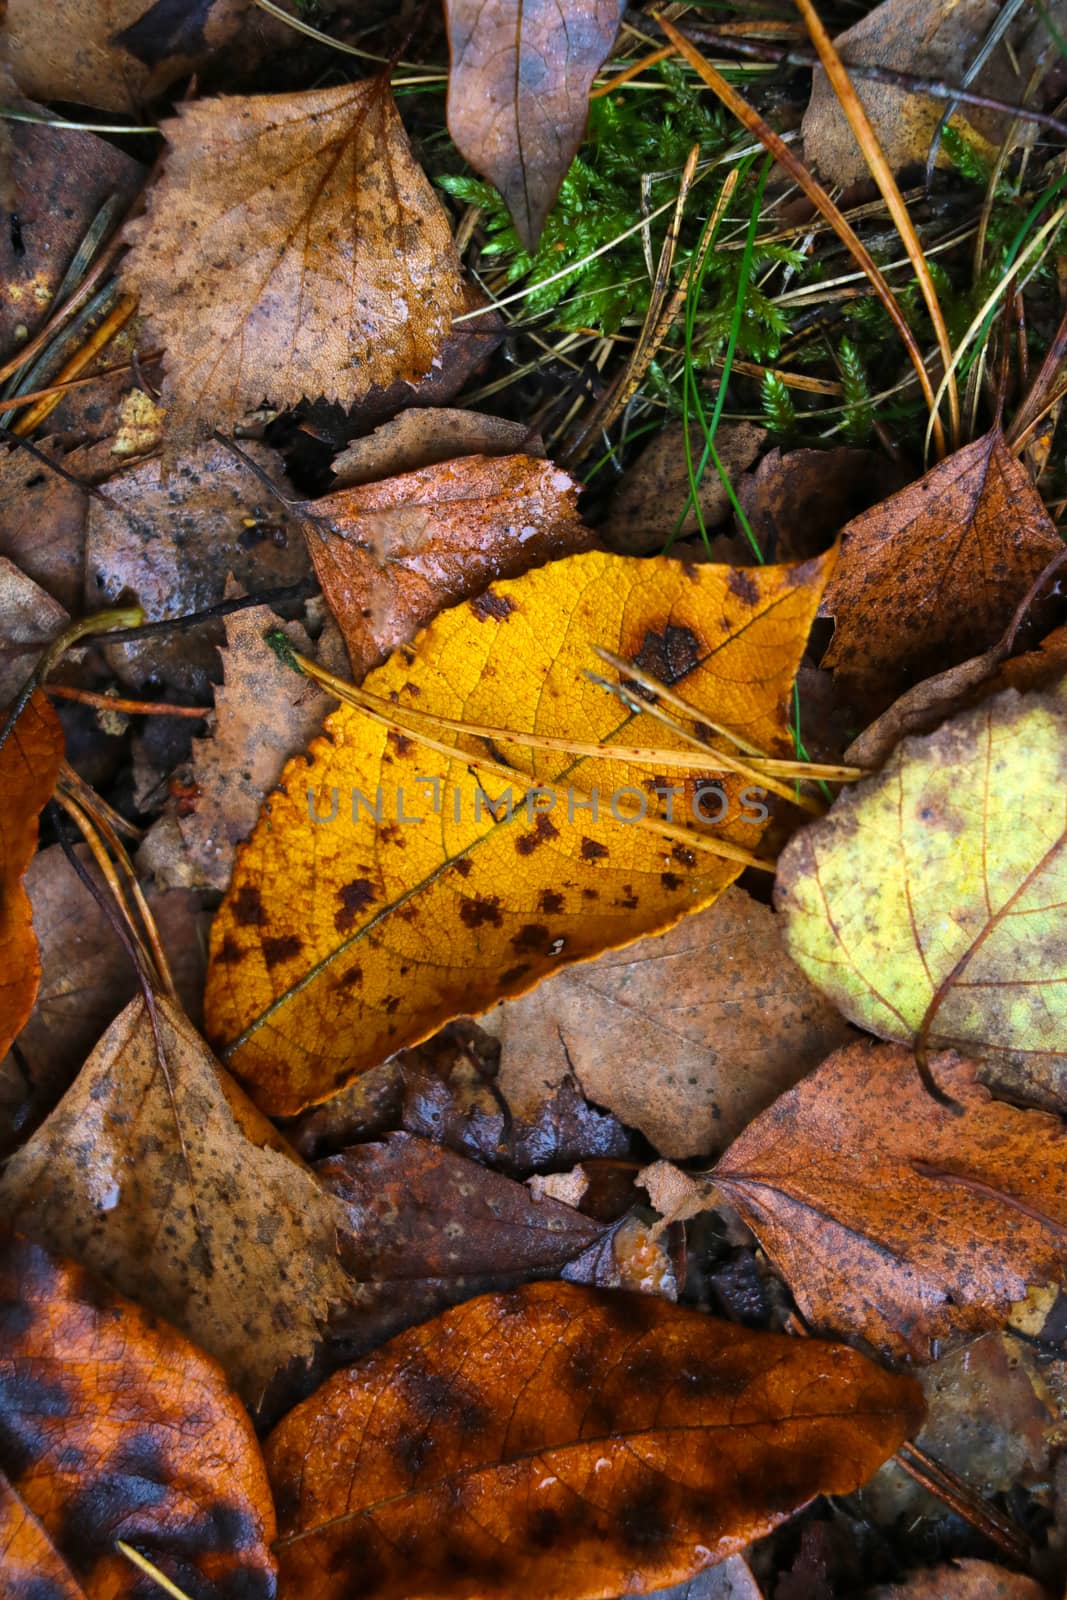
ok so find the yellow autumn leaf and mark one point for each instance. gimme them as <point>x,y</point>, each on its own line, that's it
<point>380,895</point>
<point>931,903</point>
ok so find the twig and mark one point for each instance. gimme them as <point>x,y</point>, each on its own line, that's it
<point>132,708</point>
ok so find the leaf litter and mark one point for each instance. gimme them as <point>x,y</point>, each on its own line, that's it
<point>539,1377</point>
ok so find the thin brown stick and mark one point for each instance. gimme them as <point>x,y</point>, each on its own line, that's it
<point>15,402</point>
<point>882,173</point>
<point>1034,403</point>
<point>132,708</point>
<point>751,119</point>
<point>958,1495</point>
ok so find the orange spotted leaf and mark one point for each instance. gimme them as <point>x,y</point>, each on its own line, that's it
<point>30,758</point>
<point>113,1426</point>
<point>347,935</point>
<point>570,1444</point>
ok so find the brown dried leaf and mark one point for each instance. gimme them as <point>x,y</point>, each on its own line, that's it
<point>427,436</point>
<point>292,247</point>
<point>568,1444</point>
<point>115,54</point>
<point>168,1184</point>
<point>171,540</point>
<point>518,94</point>
<point>264,715</point>
<point>112,1426</point>
<point>935,42</point>
<point>892,1217</point>
<point>27,615</point>
<point>963,1580</point>
<point>390,555</point>
<point>932,575</point>
<point>797,502</point>
<point>86,979</point>
<point>685,1035</point>
<point>42,522</point>
<point>647,506</point>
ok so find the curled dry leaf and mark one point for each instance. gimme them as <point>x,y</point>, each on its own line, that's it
<point>113,1426</point>
<point>571,1444</point>
<point>292,247</point>
<point>155,1172</point>
<point>425,436</point>
<point>930,901</point>
<point>928,577</point>
<point>115,54</point>
<point>389,555</point>
<point>715,1012</point>
<point>30,758</point>
<point>518,94</point>
<point>935,42</point>
<point>171,538</point>
<point>264,715</point>
<point>895,1218</point>
<point>344,938</point>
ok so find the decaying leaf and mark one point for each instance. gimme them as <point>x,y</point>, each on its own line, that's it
<point>344,938</point>
<point>651,504</point>
<point>429,1228</point>
<point>425,436</point>
<point>895,1218</point>
<point>797,501</point>
<point>115,54</point>
<point>291,248</point>
<point>171,539</point>
<point>264,715</point>
<point>30,758</point>
<point>390,554</point>
<point>28,615</point>
<point>113,1426</point>
<point>567,1443</point>
<point>963,1580</point>
<point>934,42</point>
<point>930,901</point>
<point>518,94</point>
<point>686,1035</point>
<point>42,522</point>
<point>932,575</point>
<point>161,1177</point>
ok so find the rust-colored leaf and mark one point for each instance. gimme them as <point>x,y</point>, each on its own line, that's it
<point>932,575</point>
<point>893,1217</point>
<point>425,436</point>
<point>113,1426</point>
<point>518,93</point>
<point>155,1172</point>
<point>389,555</point>
<point>686,1035</point>
<point>30,757</point>
<point>346,936</point>
<point>292,247</point>
<point>567,1443</point>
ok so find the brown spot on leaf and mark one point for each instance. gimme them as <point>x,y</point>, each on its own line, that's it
<point>593,850</point>
<point>489,605</point>
<point>475,912</point>
<point>550,901</point>
<point>743,585</point>
<point>275,951</point>
<point>248,907</point>
<point>543,830</point>
<point>534,937</point>
<point>354,897</point>
<point>669,655</point>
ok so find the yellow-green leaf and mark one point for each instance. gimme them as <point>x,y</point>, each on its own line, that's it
<point>931,903</point>
<point>342,941</point>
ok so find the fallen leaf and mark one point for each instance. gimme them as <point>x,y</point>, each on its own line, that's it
<point>114,54</point>
<point>86,979</point>
<point>160,1177</point>
<point>30,758</point>
<point>429,1228</point>
<point>42,522</point>
<point>28,615</point>
<point>426,437</point>
<point>930,900</point>
<point>342,941</point>
<point>965,1579</point>
<point>635,1256</point>
<point>390,555</point>
<point>797,502</point>
<point>171,539</point>
<point>292,247</point>
<point>264,714</point>
<point>518,94</point>
<point>933,574</point>
<point>894,1218</point>
<point>715,1013</point>
<point>728,1580</point>
<point>60,179</point>
<point>32,1564</point>
<point>651,503</point>
<point>113,1426</point>
<point>934,42</point>
<point>568,1443</point>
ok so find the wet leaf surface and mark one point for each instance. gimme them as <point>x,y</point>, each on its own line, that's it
<point>113,1426</point>
<point>640,1439</point>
